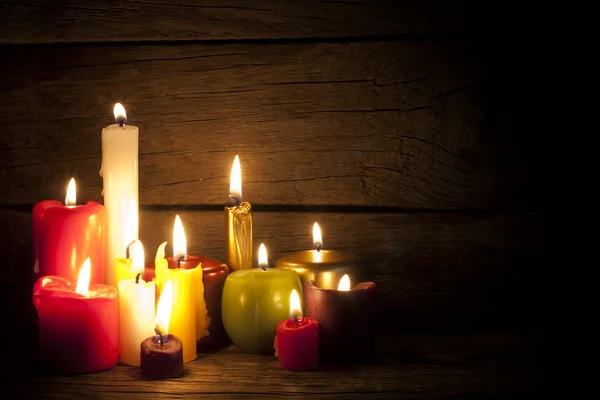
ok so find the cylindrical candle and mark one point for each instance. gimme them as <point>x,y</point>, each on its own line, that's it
<point>120,176</point>
<point>238,223</point>
<point>77,324</point>
<point>254,301</point>
<point>347,319</point>
<point>214,273</point>
<point>297,341</point>
<point>325,267</point>
<point>64,236</point>
<point>136,310</point>
<point>162,355</point>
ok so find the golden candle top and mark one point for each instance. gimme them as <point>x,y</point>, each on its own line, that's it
<point>326,267</point>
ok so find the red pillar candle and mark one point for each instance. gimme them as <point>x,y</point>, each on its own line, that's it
<point>214,273</point>
<point>78,323</point>
<point>297,340</point>
<point>65,235</point>
<point>161,356</point>
<point>346,319</point>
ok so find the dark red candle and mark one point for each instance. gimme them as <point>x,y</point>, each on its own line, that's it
<point>161,357</point>
<point>78,333</point>
<point>64,236</point>
<point>297,344</point>
<point>346,320</point>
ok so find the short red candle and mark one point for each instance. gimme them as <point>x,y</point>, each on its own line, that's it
<point>77,333</point>
<point>347,320</point>
<point>64,236</point>
<point>297,344</point>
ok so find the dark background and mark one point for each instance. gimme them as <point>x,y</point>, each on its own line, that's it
<point>422,136</point>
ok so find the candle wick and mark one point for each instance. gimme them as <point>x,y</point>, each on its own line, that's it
<point>319,248</point>
<point>161,339</point>
<point>233,201</point>
<point>179,260</point>
<point>127,249</point>
<point>296,318</point>
<point>137,278</point>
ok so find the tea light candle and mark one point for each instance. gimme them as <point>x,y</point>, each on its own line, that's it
<point>297,341</point>
<point>238,218</point>
<point>347,318</point>
<point>325,267</point>
<point>78,322</point>
<point>162,355</point>
<point>64,236</point>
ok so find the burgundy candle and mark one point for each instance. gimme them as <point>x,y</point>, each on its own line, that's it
<point>346,319</point>
<point>161,356</point>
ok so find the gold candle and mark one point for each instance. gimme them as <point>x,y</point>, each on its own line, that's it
<point>238,223</point>
<point>325,267</point>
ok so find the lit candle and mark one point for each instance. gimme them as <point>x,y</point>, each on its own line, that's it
<point>162,355</point>
<point>78,322</point>
<point>136,309</point>
<point>65,235</point>
<point>124,268</point>
<point>347,318</point>
<point>189,317</point>
<point>238,217</point>
<point>297,341</point>
<point>254,301</point>
<point>120,176</point>
<point>325,267</point>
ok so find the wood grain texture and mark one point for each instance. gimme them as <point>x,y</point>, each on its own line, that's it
<point>38,21</point>
<point>410,124</point>
<point>435,271</point>
<point>407,366</point>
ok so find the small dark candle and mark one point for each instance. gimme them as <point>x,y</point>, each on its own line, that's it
<point>161,357</point>
<point>346,320</point>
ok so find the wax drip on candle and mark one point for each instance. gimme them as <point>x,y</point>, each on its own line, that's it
<point>127,249</point>
<point>161,339</point>
<point>137,277</point>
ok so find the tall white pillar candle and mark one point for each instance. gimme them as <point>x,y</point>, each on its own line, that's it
<point>120,174</point>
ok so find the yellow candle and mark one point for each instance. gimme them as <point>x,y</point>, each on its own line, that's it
<point>238,223</point>
<point>123,265</point>
<point>189,316</point>
<point>136,309</point>
<point>325,267</point>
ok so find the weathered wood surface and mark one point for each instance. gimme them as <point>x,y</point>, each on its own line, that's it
<point>407,366</point>
<point>434,271</point>
<point>39,21</point>
<point>409,124</point>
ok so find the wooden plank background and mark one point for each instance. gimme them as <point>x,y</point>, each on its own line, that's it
<point>410,130</point>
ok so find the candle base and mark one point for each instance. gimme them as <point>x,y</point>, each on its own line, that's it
<point>159,361</point>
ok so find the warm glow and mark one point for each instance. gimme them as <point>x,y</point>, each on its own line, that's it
<point>295,308</point>
<point>235,183</point>
<point>344,283</point>
<point>83,283</point>
<point>131,227</point>
<point>137,256</point>
<point>179,240</point>
<point>71,198</point>
<point>160,252</point>
<point>317,238</point>
<point>263,260</point>
<point>163,313</point>
<point>119,111</point>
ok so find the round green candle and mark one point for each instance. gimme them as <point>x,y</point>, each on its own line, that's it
<point>254,302</point>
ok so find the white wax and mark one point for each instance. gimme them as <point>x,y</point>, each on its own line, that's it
<point>120,173</point>
<point>136,318</point>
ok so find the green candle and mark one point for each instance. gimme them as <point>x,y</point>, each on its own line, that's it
<point>254,301</point>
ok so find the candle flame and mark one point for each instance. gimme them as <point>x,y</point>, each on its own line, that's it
<point>119,111</point>
<point>179,240</point>
<point>295,308</point>
<point>163,313</point>
<point>263,260</point>
<point>344,284</point>
<point>71,198</point>
<point>132,224</point>
<point>137,256</point>
<point>235,183</point>
<point>317,238</point>
<point>83,282</point>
